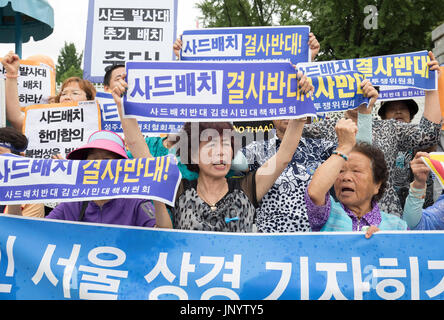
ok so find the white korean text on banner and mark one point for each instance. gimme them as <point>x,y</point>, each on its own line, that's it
<point>289,43</point>
<point>128,263</point>
<point>404,70</point>
<point>131,30</point>
<point>36,82</point>
<point>214,91</point>
<point>25,180</point>
<point>59,127</point>
<point>111,120</point>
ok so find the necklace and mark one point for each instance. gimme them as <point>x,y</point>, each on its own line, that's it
<point>212,206</point>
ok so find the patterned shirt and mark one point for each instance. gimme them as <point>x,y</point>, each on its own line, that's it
<point>390,136</point>
<point>283,209</point>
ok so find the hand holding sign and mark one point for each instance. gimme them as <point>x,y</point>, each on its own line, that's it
<point>346,131</point>
<point>314,45</point>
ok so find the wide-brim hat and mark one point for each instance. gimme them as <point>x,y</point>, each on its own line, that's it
<point>410,103</point>
<point>102,139</point>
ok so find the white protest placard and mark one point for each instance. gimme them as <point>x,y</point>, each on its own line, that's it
<point>119,31</point>
<point>59,127</point>
<point>36,82</point>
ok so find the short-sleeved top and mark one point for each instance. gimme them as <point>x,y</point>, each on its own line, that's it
<point>235,212</point>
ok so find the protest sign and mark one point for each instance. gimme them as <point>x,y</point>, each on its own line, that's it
<point>405,70</point>
<point>24,180</point>
<point>125,31</point>
<point>111,120</point>
<point>436,165</point>
<point>214,91</point>
<point>36,82</point>
<point>59,127</point>
<point>39,261</point>
<point>289,43</point>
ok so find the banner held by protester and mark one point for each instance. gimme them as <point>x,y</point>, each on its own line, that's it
<point>72,260</point>
<point>436,165</point>
<point>289,43</point>
<point>387,93</point>
<point>24,180</point>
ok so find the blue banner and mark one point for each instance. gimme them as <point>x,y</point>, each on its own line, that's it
<point>135,31</point>
<point>289,43</point>
<point>25,180</point>
<point>405,70</point>
<point>111,121</point>
<point>214,91</point>
<point>46,259</point>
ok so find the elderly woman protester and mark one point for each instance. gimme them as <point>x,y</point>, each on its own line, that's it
<point>73,89</point>
<point>417,218</point>
<point>107,145</point>
<point>214,202</point>
<point>359,175</point>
